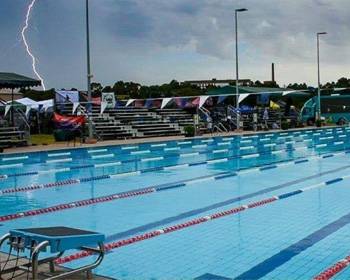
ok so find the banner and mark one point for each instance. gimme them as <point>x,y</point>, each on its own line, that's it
<point>7,109</point>
<point>96,100</point>
<point>109,98</point>
<point>148,103</point>
<point>28,108</point>
<point>75,107</point>
<point>165,102</point>
<point>243,96</point>
<point>68,123</point>
<point>103,107</point>
<point>65,96</point>
<point>181,102</point>
<point>221,98</point>
<point>202,100</point>
<point>129,102</point>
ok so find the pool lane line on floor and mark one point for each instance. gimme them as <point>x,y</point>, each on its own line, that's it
<point>216,144</point>
<point>303,132</point>
<point>255,168</point>
<point>176,227</point>
<point>67,169</point>
<point>334,269</point>
<point>120,162</point>
<point>283,256</point>
<point>116,163</point>
<point>194,212</point>
<point>128,194</point>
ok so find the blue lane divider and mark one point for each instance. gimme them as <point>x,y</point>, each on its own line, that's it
<point>334,181</point>
<point>286,195</point>
<point>301,161</point>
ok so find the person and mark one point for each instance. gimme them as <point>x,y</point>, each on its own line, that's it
<point>210,124</point>
<point>266,118</point>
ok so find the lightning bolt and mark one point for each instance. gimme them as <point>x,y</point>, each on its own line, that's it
<point>24,29</point>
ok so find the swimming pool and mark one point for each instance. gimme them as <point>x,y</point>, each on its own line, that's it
<point>266,206</point>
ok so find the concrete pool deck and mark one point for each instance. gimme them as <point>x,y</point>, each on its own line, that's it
<point>70,145</point>
<point>43,269</point>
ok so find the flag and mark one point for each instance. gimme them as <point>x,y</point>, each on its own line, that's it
<point>68,122</point>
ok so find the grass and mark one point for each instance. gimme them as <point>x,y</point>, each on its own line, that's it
<point>42,139</point>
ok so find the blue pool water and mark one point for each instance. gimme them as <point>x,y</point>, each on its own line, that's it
<point>296,236</point>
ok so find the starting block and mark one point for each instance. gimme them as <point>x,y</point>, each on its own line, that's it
<point>55,241</point>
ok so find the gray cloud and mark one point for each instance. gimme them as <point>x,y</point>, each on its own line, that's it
<point>156,40</point>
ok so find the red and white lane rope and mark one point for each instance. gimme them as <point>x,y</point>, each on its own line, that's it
<point>333,270</point>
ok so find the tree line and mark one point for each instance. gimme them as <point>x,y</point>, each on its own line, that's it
<point>125,90</point>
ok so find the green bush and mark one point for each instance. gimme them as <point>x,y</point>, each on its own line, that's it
<point>189,131</point>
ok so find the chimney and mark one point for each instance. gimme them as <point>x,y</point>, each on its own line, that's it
<point>273,72</point>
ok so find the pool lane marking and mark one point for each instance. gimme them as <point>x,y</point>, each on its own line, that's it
<point>102,156</point>
<point>264,268</point>
<point>119,163</point>
<point>336,130</point>
<point>11,165</point>
<point>14,158</point>
<point>217,215</point>
<point>59,154</point>
<point>148,190</point>
<point>159,145</point>
<point>96,165</point>
<point>334,269</point>
<point>214,206</point>
<point>59,160</point>
<point>170,167</point>
<point>131,173</point>
<point>97,151</point>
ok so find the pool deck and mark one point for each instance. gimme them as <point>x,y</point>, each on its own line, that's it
<point>70,145</point>
<point>42,269</point>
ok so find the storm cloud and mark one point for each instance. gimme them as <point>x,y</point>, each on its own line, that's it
<point>154,41</point>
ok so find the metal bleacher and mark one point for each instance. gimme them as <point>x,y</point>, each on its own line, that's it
<point>122,123</point>
<point>145,122</point>
<point>12,136</point>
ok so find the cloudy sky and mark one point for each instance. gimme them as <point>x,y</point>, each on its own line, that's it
<point>154,41</point>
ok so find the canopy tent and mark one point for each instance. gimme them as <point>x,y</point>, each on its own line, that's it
<point>231,90</point>
<point>24,101</point>
<point>29,104</point>
<point>12,81</point>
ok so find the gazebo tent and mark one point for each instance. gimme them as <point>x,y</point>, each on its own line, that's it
<point>12,81</point>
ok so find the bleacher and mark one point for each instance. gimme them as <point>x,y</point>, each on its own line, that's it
<point>12,136</point>
<point>178,116</point>
<point>122,123</point>
<point>145,122</point>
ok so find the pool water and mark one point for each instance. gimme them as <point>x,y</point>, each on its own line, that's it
<point>289,191</point>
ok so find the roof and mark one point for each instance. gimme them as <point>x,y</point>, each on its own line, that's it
<point>12,80</point>
<point>231,90</point>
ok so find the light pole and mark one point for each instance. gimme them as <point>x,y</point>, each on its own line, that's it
<point>89,76</point>
<point>318,115</point>
<point>237,76</point>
